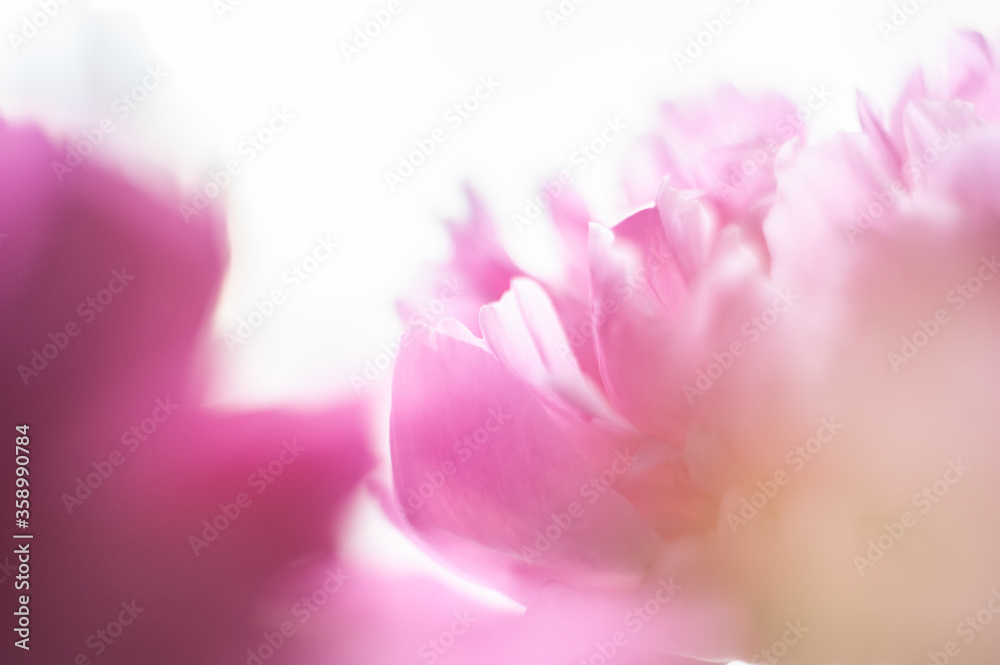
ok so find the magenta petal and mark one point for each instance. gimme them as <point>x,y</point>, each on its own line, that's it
<point>472,452</point>
<point>524,331</point>
<point>194,554</point>
<point>690,229</point>
<point>638,291</point>
<point>110,288</point>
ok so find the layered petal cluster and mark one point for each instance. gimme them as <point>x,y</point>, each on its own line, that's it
<point>782,400</point>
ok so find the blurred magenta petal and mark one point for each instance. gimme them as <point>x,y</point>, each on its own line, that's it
<point>97,256</point>
<point>205,516</point>
<point>149,510</point>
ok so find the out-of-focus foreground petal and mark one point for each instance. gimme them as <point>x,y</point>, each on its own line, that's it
<point>157,525</point>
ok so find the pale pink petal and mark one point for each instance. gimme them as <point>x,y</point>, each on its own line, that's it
<point>472,436</point>
<point>638,294</point>
<point>524,331</point>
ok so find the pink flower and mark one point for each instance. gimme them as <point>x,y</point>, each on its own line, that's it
<point>160,526</point>
<point>793,415</point>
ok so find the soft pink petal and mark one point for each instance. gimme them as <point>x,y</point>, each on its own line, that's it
<point>500,496</point>
<point>524,331</point>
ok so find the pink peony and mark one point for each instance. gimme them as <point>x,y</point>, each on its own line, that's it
<point>792,421</point>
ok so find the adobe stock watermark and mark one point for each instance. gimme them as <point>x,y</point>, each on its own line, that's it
<point>592,490</point>
<point>969,629</point>
<point>131,439</point>
<point>586,154</point>
<point>714,27</point>
<point>796,459</point>
<point>752,330</point>
<point>558,14</point>
<point>913,168</point>
<point>303,610</point>
<point>464,448</point>
<point>636,619</point>
<point>264,308</point>
<point>259,480</point>
<point>87,310</point>
<point>456,116</point>
<point>122,108</point>
<point>365,34</point>
<point>779,648</point>
<point>429,314</point>
<point>900,15</point>
<point>32,24</point>
<point>308,605</point>
<point>784,130</point>
<point>438,645</point>
<point>640,615</point>
<point>958,298</point>
<point>22,615</point>
<point>254,144</point>
<point>923,500</point>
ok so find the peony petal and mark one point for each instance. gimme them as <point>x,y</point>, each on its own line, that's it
<point>638,293</point>
<point>524,331</point>
<point>479,473</point>
<point>690,229</point>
